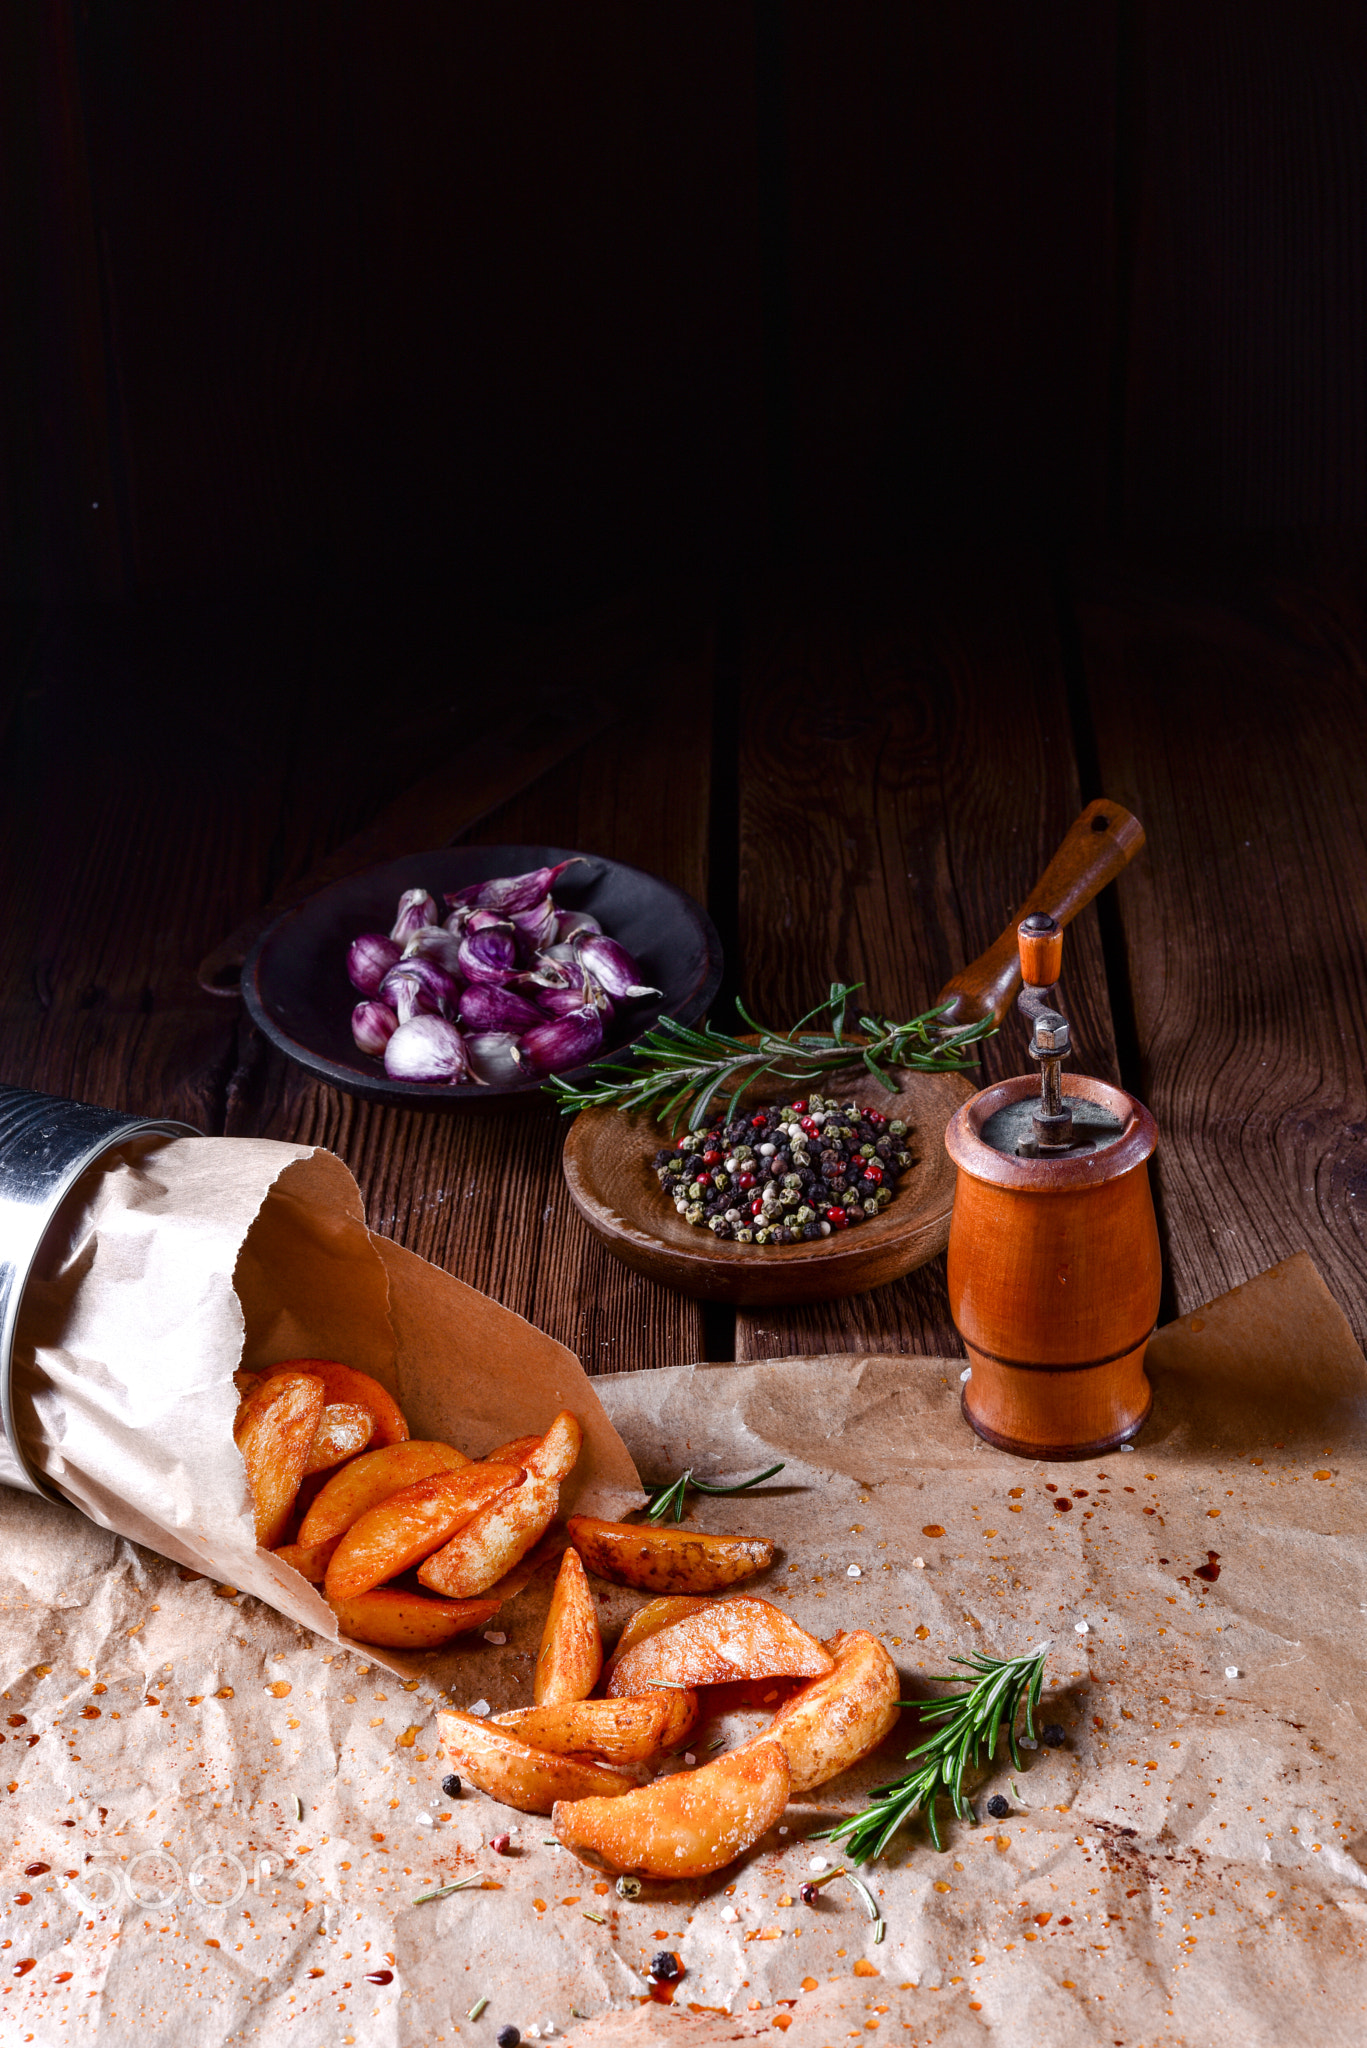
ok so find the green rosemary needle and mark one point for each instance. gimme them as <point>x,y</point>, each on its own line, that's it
<point>672,1497</point>
<point>971,1723</point>
<point>672,1068</point>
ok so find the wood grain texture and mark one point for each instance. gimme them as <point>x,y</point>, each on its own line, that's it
<point>1228,699</point>
<point>906,772</point>
<point>1245,404</point>
<point>483,1194</point>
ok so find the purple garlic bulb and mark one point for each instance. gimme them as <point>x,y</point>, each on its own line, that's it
<point>372,1027</point>
<point>495,1060</point>
<point>611,964</point>
<point>563,1041</point>
<point>581,993</point>
<point>489,954</point>
<point>426,1048</point>
<point>507,893</point>
<point>419,988</point>
<point>416,909</point>
<point>568,922</point>
<point>369,959</point>
<point>486,1007</point>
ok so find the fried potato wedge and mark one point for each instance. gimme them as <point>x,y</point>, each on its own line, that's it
<point>666,1560</point>
<point>559,1449</point>
<point>345,1383</point>
<point>344,1430</point>
<point>685,1826</point>
<point>615,1731</point>
<point>371,1478</point>
<point>275,1426</point>
<point>837,1720</point>
<point>411,1524</point>
<point>311,1559</point>
<point>571,1653</point>
<point>496,1539</point>
<point>515,1453</point>
<point>509,1769</point>
<point>409,1621</point>
<point>741,1638</point>
<point>246,1383</point>
<point>649,1620</point>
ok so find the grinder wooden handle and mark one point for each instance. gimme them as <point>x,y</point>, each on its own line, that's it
<point>1097,846</point>
<point>1039,941</point>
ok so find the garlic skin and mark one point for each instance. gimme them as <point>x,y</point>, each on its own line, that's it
<point>563,1041</point>
<point>416,909</point>
<point>489,954</point>
<point>372,1026</point>
<point>536,927</point>
<point>568,922</point>
<point>582,992</point>
<point>507,893</point>
<point>416,988</point>
<point>428,1049</point>
<point>369,959</point>
<point>441,947</point>
<point>484,1006</point>
<point>495,1060</point>
<point>610,963</point>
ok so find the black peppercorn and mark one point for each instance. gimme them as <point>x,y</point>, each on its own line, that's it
<point>508,2037</point>
<point>998,1807</point>
<point>664,1967</point>
<point>450,1785</point>
<point>1053,1735</point>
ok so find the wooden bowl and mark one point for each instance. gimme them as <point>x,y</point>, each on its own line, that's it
<point>612,1184</point>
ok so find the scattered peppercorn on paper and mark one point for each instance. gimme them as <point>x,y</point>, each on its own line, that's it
<point>224,1829</point>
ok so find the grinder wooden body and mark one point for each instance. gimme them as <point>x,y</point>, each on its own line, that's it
<point>1054,1278</point>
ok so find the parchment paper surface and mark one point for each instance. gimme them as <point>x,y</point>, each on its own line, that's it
<point>1191,1867</point>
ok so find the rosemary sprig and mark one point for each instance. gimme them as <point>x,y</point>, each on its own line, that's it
<point>672,1497</point>
<point>673,1069</point>
<point>971,1723</point>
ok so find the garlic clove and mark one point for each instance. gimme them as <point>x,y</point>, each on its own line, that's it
<point>416,909</point>
<point>426,1048</point>
<point>558,1002</point>
<point>419,988</point>
<point>372,1026</point>
<point>563,1041</point>
<point>495,1060</point>
<point>485,1006</point>
<point>435,944</point>
<point>536,927</point>
<point>489,954</point>
<point>612,965</point>
<point>568,922</point>
<point>369,959</point>
<point>507,893</point>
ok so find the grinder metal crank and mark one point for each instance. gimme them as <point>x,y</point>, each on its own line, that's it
<point>1054,1267</point>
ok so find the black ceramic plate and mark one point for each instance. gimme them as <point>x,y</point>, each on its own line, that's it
<point>295,980</point>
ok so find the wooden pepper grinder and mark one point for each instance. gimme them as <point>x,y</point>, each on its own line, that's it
<point>1054,1267</point>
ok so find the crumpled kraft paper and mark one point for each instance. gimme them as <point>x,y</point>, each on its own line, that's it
<point>1189,1868</point>
<point>176,1261</point>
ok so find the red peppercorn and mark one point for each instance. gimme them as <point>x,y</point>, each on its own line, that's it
<point>837,1219</point>
<point>500,1844</point>
<point>872,1170</point>
<point>682,1145</point>
<point>745,1180</point>
<point>711,1159</point>
<point>810,1125</point>
<point>757,1208</point>
<point>798,1107</point>
<point>759,1120</point>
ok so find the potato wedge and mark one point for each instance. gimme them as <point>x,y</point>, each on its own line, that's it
<point>616,1731</point>
<point>511,1770</point>
<point>649,1620</point>
<point>837,1720</point>
<point>311,1559</point>
<point>409,1621</point>
<point>684,1826</point>
<point>371,1478</point>
<point>345,1383</point>
<point>571,1653</point>
<point>410,1525</point>
<point>275,1427</point>
<point>666,1560</point>
<point>490,1545</point>
<point>558,1450</point>
<point>344,1430</point>
<point>515,1453</point>
<point>741,1638</point>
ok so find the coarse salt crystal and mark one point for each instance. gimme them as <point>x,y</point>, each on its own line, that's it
<point>818,1863</point>
<point>1081,1628</point>
<point>967,1373</point>
<point>729,1913</point>
<point>919,1563</point>
<point>689,1757</point>
<point>481,1707</point>
<point>533,2033</point>
<point>1127,1447</point>
<point>783,1831</point>
<point>424,1820</point>
<point>854,1572</point>
<point>494,1635</point>
<point>1232,1671</point>
<point>548,2026</point>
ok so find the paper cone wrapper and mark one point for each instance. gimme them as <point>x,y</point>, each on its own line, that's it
<point>177,1261</point>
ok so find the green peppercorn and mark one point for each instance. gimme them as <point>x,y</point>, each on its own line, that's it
<point>694,1212</point>
<point>870,1205</point>
<point>721,1181</point>
<point>761,1236</point>
<point>744,1236</point>
<point>897,1128</point>
<point>866,1152</point>
<point>790,1198</point>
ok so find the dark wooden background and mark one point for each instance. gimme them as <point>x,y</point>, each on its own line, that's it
<point>926,418</point>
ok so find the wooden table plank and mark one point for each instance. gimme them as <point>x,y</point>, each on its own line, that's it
<point>481,1193</point>
<point>1228,700</point>
<point>907,769</point>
